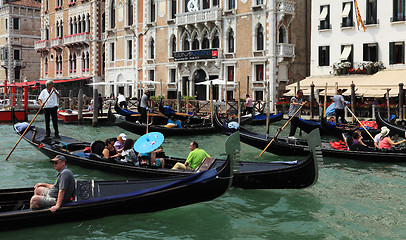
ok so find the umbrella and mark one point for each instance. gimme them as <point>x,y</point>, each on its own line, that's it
<point>149,142</point>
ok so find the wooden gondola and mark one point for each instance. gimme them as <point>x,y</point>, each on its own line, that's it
<point>260,119</point>
<point>94,199</point>
<point>284,146</point>
<point>194,126</point>
<point>338,131</point>
<point>254,175</point>
<point>308,125</point>
<point>394,129</point>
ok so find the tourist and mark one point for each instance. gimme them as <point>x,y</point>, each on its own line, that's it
<point>119,144</point>
<point>50,107</point>
<point>295,103</point>
<point>339,104</point>
<point>196,156</point>
<point>109,150</point>
<point>357,144</point>
<point>128,154</point>
<point>152,158</point>
<point>54,195</point>
<point>385,142</point>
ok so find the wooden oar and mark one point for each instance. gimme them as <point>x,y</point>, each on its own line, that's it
<point>29,125</point>
<point>362,125</point>
<point>276,135</point>
<point>147,120</point>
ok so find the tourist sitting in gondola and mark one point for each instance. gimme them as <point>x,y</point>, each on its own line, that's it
<point>119,144</point>
<point>357,143</point>
<point>109,150</point>
<point>128,154</point>
<point>385,142</point>
<point>196,156</point>
<point>151,158</point>
<point>175,123</point>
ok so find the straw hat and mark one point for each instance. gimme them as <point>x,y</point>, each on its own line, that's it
<point>385,131</point>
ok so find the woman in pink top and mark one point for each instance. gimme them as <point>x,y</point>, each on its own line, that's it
<point>386,142</point>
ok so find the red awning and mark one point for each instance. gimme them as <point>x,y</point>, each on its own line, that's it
<point>42,82</point>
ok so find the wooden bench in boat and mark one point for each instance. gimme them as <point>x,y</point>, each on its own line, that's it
<point>205,164</point>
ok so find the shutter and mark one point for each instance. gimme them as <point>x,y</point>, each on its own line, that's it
<point>391,44</point>
<point>403,52</point>
<point>320,60</point>
<point>377,52</point>
<point>327,56</point>
<point>365,52</point>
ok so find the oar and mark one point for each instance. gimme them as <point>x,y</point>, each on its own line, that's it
<point>29,125</point>
<point>276,135</point>
<point>362,125</point>
<point>147,119</point>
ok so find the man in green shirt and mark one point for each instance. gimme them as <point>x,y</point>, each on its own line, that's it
<point>194,159</point>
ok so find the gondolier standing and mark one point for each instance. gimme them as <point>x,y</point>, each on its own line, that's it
<point>143,107</point>
<point>295,103</point>
<point>339,104</point>
<point>50,107</point>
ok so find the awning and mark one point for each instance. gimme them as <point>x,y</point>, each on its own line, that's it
<point>217,82</point>
<point>347,9</point>
<point>323,13</point>
<point>365,85</point>
<point>345,53</point>
<point>42,82</point>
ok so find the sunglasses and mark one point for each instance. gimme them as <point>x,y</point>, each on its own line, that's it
<point>54,163</point>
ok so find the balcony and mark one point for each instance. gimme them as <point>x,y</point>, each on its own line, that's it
<point>79,39</point>
<point>285,50</point>
<point>286,7</point>
<point>17,63</point>
<point>56,43</point>
<point>4,63</point>
<point>204,16</point>
<point>41,46</point>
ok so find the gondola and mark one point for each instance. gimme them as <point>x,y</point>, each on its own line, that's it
<point>308,125</point>
<point>194,126</point>
<point>253,175</point>
<point>260,119</point>
<point>337,131</point>
<point>394,129</point>
<point>94,199</point>
<point>281,145</point>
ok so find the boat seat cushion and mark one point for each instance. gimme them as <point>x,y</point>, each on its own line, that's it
<point>206,164</point>
<point>97,147</point>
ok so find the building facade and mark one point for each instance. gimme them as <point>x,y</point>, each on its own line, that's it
<point>186,43</point>
<point>20,24</point>
<point>72,40</point>
<point>339,43</point>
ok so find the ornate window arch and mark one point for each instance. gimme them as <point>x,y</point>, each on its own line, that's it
<point>151,48</point>
<point>259,38</point>
<point>185,42</point>
<point>195,40</point>
<point>113,14</point>
<point>205,41</point>
<point>172,45</point>
<point>282,34</point>
<point>130,11</point>
<point>215,36</point>
<point>46,65</point>
<point>230,40</point>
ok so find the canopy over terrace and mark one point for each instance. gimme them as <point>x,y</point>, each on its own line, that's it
<point>365,85</point>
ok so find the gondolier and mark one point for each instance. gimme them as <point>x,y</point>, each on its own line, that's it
<point>339,106</point>
<point>50,107</point>
<point>295,103</point>
<point>143,107</point>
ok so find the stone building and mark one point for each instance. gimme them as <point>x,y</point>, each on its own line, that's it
<point>19,29</point>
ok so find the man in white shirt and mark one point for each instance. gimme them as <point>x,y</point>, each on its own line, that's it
<point>121,100</point>
<point>50,107</point>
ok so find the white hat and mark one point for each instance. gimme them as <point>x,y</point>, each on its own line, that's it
<point>385,131</point>
<point>123,136</point>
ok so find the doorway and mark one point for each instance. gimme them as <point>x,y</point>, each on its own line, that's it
<point>200,76</point>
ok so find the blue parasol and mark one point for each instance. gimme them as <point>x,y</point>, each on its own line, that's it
<point>149,142</point>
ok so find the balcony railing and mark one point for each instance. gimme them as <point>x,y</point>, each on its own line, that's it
<point>207,15</point>
<point>79,38</point>
<point>324,26</point>
<point>4,62</point>
<point>345,24</point>
<point>286,6</point>
<point>285,50</point>
<point>41,45</point>
<point>18,62</point>
<point>371,21</point>
<point>56,42</point>
<point>399,18</point>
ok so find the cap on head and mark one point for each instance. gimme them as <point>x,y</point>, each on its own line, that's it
<point>123,136</point>
<point>58,158</point>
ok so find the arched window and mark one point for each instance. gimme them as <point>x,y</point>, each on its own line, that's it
<point>113,14</point>
<point>83,23</point>
<point>260,38</point>
<point>57,64</point>
<point>152,49</point>
<point>130,12</point>
<point>74,62</point>
<point>216,42</point>
<point>75,25</point>
<point>186,46</point>
<point>88,23</point>
<point>83,62</point>
<point>152,10</point>
<point>231,41</point>
<point>60,64</point>
<point>173,45</point>
<point>206,43</point>
<point>70,26</point>
<point>46,65</point>
<point>47,33</point>
<point>87,61</point>
<point>282,35</point>
<point>79,24</point>
<point>195,43</point>
<point>103,23</point>
<point>70,63</point>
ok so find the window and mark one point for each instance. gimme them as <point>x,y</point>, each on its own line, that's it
<point>231,4</point>
<point>113,14</point>
<point>215,43</point>
<point>371,17</point>
<point>152,49</point>
<point>46,65</point>
<point>87,61</point>
<point>324,56</point>
<point>259,72</point>
<point>371,52</point>
<point>186,44</point>
<point>47,33</point>
<point>152,10</point>
<point>282,35</point>
<point>206,4</point>
<point>6,23</point>
<point>398,10</point>
<point>230,95</point>
<point>347,53</point>
<point>129,49</point>
<point>16,23</point>
<point>195,43</point>
<point>173,46</point>
<point>347,15</point>
<point>397,53</point>
<point>206,43</point>
<point>17,73</point>
<point>151,75</point>
<point>173,75</point>
<point>231,41</point>
<point>112,52</point>
<point>130,12</point>
<point>230,75</point>
<point>260,38</point>
<point>215,3</point>
<point>173,9</point>
<point>103,22</point>
<point>4,55</point>
<point>259,95</point>
<point>16,54</point>
<point>324,17</point>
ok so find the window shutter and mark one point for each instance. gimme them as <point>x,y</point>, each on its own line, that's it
<point>320,60</point>
<point>327,56</point>
<point>365,58</point>
<point>403,52</point>
<point>376,52</point>
<point>391,44</point>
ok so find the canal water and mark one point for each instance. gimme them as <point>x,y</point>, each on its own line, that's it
<point>352,200</point>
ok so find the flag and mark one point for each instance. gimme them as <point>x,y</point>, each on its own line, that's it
<point>359,19</point>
